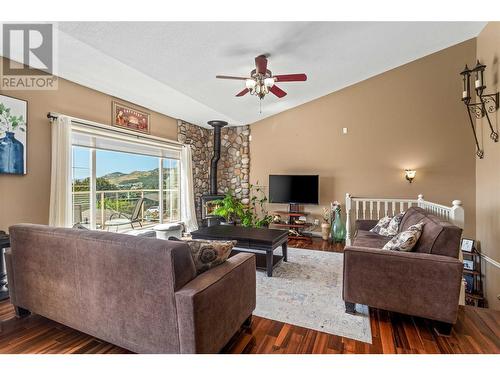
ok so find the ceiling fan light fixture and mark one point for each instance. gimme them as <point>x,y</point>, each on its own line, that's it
<point>250,84</point>
<point>261,80</point>
<point>269,82</point>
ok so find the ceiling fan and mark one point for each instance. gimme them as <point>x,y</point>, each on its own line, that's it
<point>262,81</point>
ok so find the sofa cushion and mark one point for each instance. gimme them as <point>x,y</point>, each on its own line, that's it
<point>406,240</point>
<point>365,238</point>
<point>438,236</point>
<point>412,216</point>
<point>208,254</point>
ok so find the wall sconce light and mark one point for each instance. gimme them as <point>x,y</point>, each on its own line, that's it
<point>410,174</point>
<point>488,103</point>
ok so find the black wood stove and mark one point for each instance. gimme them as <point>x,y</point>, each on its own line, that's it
<point>207,200</point>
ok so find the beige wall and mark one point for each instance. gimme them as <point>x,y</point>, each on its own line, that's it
<point>409,117</point>
<point>488,170</point>
<point>26,198</point>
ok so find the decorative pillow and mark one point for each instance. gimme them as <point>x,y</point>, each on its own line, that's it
<point>382,224</point>
<point>392,228</point>
<point>406,240</point>
<point>208,254</point>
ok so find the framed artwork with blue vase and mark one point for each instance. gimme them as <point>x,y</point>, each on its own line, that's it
<point>13,135</point>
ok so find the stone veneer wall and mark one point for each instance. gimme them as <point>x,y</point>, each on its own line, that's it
<point>233,170</point>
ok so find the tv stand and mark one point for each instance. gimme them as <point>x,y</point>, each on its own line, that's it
<point>292,226</point>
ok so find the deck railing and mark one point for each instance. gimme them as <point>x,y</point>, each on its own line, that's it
<point>82,211</point>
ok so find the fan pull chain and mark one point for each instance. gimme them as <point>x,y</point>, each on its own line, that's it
<point>260,106</point>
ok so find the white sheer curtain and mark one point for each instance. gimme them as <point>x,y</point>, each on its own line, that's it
<point>188,211</point>
<point>60,211</point>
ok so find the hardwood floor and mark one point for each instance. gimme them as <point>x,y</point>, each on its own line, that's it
<point>317,244</point>
<point>477,331</point>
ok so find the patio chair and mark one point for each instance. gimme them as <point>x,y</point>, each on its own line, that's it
<point>120,218</point>
<point>77,214</point>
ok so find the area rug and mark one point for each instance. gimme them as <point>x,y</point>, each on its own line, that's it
<point>306,291</point>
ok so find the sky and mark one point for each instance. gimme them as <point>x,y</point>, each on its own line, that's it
<point>109,161</point>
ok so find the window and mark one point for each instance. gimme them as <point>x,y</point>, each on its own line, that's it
<point>108,182</point>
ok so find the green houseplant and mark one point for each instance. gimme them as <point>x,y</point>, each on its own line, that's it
<point>229,208</point>
<point>255,214</point>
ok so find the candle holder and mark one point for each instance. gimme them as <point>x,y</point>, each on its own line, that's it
<point>488,103</point>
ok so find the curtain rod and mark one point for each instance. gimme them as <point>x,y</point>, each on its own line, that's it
<point>54,115</point>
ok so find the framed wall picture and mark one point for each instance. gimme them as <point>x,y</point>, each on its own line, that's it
<point>469,264</point>
<point>130,118</point>
<point>467,245</point>
<point>13,135</point>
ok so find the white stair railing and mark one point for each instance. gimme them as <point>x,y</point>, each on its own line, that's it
<point>358,208</point>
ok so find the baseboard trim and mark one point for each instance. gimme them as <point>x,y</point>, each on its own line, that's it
<point>490,260</point>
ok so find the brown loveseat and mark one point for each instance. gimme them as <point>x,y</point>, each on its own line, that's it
<point>139,293</point>
<point>425,282</point>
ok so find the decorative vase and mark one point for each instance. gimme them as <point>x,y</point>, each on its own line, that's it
<point>325,230</point>
<point>338,231</point>
<point>11,154</point>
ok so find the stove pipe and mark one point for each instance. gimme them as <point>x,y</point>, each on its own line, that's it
<point>217,125</point>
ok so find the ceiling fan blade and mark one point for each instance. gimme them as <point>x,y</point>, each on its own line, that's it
<point>261,64</point>
<point>277,91</point>
<point>232,77</point>
<point>290,77</point>
<point>243,92</point>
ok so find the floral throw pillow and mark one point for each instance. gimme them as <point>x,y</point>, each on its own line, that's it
<point>406,240</point>
<point>392,228</point>
<point>208,254</point>
<point>382,224</point>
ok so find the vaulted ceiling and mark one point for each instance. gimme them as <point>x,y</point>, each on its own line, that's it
<point>170,67</point>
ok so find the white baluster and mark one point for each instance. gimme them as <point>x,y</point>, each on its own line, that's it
<point>378,210</point>
<point>371,210</point>
<point>348,202</point>
<point>457,215</point>
<point>364,209</point>
<point>420,200</point>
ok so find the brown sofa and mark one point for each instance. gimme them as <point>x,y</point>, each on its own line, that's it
<point>425,282</point>
<point>139,293</point>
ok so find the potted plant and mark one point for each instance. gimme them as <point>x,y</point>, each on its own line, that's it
<point>229,208</point>
<point>325,225</point>
<point>255,214</point>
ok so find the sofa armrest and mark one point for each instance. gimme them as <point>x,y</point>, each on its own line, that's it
<point>365,224</point>
<point>419,284</point>
<point>212,307</point>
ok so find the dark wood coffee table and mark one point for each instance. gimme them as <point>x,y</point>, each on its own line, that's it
<point>259,241</point>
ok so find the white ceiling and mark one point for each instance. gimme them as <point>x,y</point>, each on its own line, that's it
<point>170,67</point>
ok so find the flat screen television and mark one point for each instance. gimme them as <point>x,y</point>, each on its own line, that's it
<point>294,189</point>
